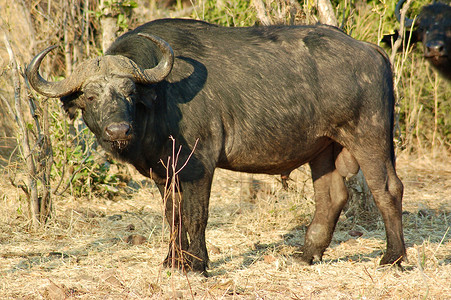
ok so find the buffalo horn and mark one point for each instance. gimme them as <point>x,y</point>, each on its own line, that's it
<point>408,22</point>
<point>47,88</point>
<point>74,82</point>
<point>164,67</point>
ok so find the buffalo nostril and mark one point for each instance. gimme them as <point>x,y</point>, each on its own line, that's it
<point>435,48</point>
<point>118,131</point>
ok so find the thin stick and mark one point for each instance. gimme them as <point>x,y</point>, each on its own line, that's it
<point>32,185</point>
<point>400,38</point>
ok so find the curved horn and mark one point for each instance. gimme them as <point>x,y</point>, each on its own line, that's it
<point>163,68</point>
<point>408,22</point>
<point>47,88</point>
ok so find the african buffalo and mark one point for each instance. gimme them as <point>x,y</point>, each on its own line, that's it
<point>254,99</point>
<point>432,27</point>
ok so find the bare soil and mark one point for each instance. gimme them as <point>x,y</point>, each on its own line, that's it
<point>254,230</point>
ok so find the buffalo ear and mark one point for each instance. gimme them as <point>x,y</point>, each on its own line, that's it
<point>69,104</point>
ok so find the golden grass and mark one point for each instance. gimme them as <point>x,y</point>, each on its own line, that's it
<point>251,236</point>
<point>82,253</point>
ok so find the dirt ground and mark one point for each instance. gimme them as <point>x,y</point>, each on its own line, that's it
<point>251,236</point>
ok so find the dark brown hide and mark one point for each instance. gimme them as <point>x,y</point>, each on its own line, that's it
<point>257,100</point>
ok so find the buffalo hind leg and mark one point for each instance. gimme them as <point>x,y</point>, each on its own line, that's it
<point>387,189</point>
<point>330,197</point>
<point>196,196</point>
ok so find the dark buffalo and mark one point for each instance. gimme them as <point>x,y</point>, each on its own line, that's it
<point>257,100</point>
<point>432,27</point>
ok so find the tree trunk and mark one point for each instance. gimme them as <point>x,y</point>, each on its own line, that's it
<point>326,12</point>
<point>108,22</point>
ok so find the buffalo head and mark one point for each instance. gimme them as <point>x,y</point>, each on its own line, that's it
<point>106,89</point>
<point>432,27</point>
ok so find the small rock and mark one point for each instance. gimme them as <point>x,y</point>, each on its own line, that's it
<point>215,250</point>
<point>355,233</point>
<point>54,292</point>
<point>135,239</point>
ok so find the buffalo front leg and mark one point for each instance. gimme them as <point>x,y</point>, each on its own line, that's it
<point>188,216</point>
<point>178,235</point>
<point>330,197</point>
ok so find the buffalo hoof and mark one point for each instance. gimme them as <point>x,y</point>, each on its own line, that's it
<point>303,261</point>
<point>308,255</point>
<point>186,264</point>
<point>392,259</point>
<point>304,258</point>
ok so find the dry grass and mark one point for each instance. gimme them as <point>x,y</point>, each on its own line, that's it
<point>251,235</point>
<point>250,238</point>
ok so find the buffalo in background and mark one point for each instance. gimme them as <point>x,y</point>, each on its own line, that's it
<point>432,27</point>
<point>252,99</point>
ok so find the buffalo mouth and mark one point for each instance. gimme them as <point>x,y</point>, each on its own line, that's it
<point>436,56</point>
<point>438,60</point>
<point>119,145</point>
<point>118,135</point>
